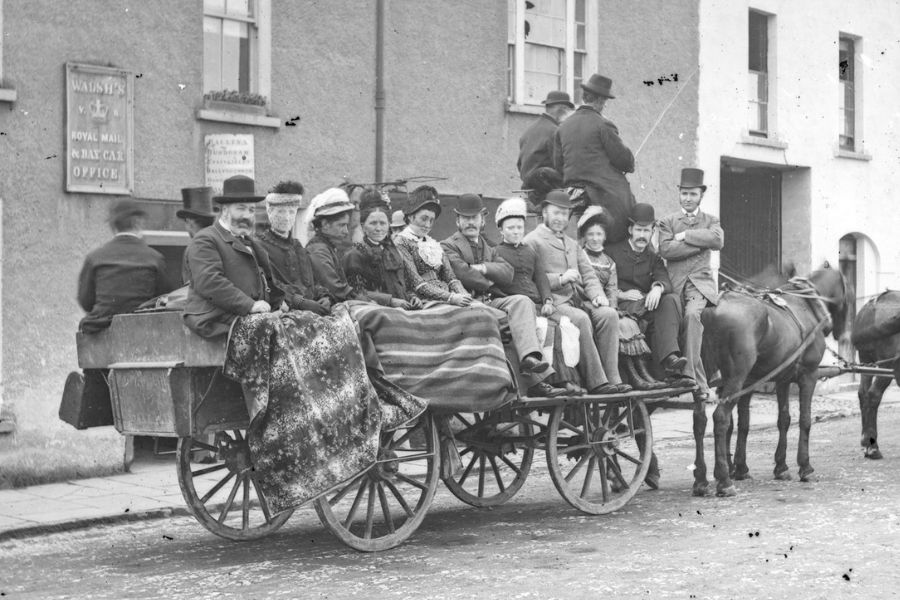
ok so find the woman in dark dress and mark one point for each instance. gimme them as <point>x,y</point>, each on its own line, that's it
<point>374,266</point>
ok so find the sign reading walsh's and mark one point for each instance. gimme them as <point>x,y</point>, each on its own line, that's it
<point>99,130</point>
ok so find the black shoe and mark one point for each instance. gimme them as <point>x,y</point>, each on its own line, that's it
<point>532,364</point>
<point>622,388</point>
<point>640,365</point>
<point>674,364</point>
<point>603,389</point>
<point>545,390</point>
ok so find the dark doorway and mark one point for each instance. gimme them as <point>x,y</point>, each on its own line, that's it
<point>847,263</point>
<point>750,205</point>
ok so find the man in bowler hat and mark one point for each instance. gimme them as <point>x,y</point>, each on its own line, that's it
<point>686,240</point>
<point>536,144</point>
<point>197,213</point>
<point>588,152</point>
<point>230,272</point>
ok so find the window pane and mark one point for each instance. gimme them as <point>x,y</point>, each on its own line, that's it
<point>848,98</point>
<point>579,11</point>
<point>845,60</point>
<point>511,21</point>
<point>543,72</point>
<point>234,37</point>
<point>759,42</point>
<point>238,8</point>
<point>579,37</point>
<point>212,54</point>
<point>214,6</point>
<point>548,22</point>
<point>511,71</point>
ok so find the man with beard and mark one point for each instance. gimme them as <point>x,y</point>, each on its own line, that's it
<point>588,152</point>
<point>477,266</point>
<point>576,289</point>
<point>290,261</point>
<point>686,240</point>
<point>231,274</point>
<point>645,291</point>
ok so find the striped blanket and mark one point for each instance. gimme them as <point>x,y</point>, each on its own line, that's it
<point>450,356</point>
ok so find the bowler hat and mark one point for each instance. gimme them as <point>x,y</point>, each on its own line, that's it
<point>599,85</point>
<point>238,188</point>
<point>642,214</point>
<point>469,205</point>
<point>692,178</point>
<point>197,203</point>
<point>124,208</point>
<point>557,97</point>
<point>423,196</point>
<point>558,198</point>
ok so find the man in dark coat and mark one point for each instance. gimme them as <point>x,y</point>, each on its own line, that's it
<point>645,291</point>
<point>197,214</point>
<point>536,144</point>
<point>122,274</point>
<point>588,152</point>
<point>290,261</point>
<point>231,274</point>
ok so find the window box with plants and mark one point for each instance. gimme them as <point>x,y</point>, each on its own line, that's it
<point>233,101</point>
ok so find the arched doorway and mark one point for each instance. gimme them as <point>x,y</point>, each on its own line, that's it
<point>859,261</point>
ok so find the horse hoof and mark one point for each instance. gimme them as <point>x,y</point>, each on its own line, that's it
<point>874,454</point>
<point>727,492</point>
<point>783,476</point>
<point>700,490</point>
<point>805,473</point>
<point>652,481</point>
<point>742,476</point>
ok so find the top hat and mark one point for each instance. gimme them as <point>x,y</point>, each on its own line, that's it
<point>599,85</point>
<point>692,178</point>
<point>423,196</point>
<point>469,205</point>
<point>126,207</point>
<point>557,97</point>
<point>238,188</point>
<point>197,203</point>
<point>397,219</point>
<point>642,214</point>
<point>558,198</point>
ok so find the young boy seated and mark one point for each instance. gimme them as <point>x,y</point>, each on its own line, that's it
<point>530,279</point>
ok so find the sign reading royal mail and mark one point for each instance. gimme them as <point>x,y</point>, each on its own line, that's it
<point>99,130</point>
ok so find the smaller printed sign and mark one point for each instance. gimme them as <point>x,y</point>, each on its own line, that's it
<point>228,154</point>
<point>99,130</point>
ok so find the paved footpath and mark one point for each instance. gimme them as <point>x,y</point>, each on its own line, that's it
<point>151,489</point>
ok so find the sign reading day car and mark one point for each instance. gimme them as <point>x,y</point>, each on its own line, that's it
<point>99,130</point>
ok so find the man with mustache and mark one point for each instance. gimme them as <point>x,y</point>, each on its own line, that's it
<point>231,275</point>
<point>290,261</point>
<point>686,240</point>
<point>645,291</point>
<point>476,264</point>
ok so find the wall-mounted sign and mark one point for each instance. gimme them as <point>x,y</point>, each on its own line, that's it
<point>228,154</point>
<point>99,130</point>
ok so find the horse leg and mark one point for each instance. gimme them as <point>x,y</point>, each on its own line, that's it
<point>782,391</point>
<point>701,485</point>
<point>728,457</point>
<point>741,471</point>
<point>871,390</point>
<point>807,384</point>
<point>721,423</point>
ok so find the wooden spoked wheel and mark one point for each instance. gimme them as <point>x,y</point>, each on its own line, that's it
<point>599,454</point>
<point>381,507</point>
<point>223,493</point>
<point>494,466</point>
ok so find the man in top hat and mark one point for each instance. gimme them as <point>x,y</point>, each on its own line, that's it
<point>645,291</point>
<point>122,274</point>
<point>576,289</point>
<point>290,261</point>
<point>536,144</point>
<point>686,240</point>
<point>230,272</point>
<point>331,222</point>
<point>476,264</point>
<point>588,152</point>
<point>196,214</point>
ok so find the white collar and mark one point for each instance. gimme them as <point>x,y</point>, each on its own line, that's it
<point>696,213</point>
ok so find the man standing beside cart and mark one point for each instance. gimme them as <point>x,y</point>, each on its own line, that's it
<point>231,273</point>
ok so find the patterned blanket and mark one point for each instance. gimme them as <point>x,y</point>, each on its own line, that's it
<point>315,416</point>
<point>450,356</point>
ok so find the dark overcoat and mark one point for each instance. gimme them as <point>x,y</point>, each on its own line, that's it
<point>638,270</point>
<point>228,275</point>
<point>536,145</point>
<point>462,256</point>
<point>118,277</point>
<point>292,269</point>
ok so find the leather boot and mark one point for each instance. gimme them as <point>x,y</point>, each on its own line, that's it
<point>640,365</point>
<point>637,382</point>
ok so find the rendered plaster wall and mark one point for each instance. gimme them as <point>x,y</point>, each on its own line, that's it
<point>845,195</point>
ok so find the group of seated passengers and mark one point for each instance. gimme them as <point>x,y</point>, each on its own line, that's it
<point>545,273</point>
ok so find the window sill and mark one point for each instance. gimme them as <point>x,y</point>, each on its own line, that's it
<point>525,109</point>
<point>768,142</point>
<point>227,116</point>
<point>7,95</point>
<point>851,154</point>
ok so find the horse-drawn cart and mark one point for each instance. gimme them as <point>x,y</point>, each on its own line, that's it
<point>165,381</point>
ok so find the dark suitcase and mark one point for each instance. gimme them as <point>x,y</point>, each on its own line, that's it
<point>85,401</point>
